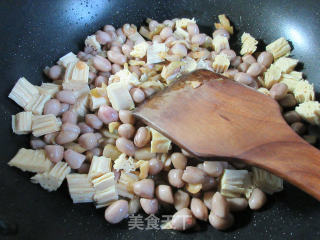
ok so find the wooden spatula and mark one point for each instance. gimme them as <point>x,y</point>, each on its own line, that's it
<point>212,116</point>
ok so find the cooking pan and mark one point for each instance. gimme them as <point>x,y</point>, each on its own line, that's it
<point>36,33</point>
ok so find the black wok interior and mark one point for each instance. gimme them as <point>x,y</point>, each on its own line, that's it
<point>35,34</point>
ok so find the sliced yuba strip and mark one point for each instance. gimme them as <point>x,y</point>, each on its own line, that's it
<point>124,163</point>
<point>286,64</point>
<point>81,105</point>
<point>183,22</point>
<point>235,183</point>
<point>126,77</point>
<point>189,65</point>
<point>140,50</point>
<point>111,151</point>
<point>264,91</point>
<point>145,32</point>
<point>23,92</point>
<point>99,166</point>
<point>31,161</point>
<point>44,124</point>
<point>22,122</point>
<point>49,89</point>
<point>80,188</point>
<point>136,63</point>
<point>123,191</point>
<point>128,179</point>
<point>68,58</point>
<point>249,44</point>
<point>78,88</point>
<point>156,85</point>
<point>309,111</point>
<point>104,181</point>
<point>181,34</point>
<point>106,196</point>
<point>171,71</point>
<point>75,147</point>
<point>279,48</point>
<point>154,53</point>
<point>157,30</point>
<point>99,91</point>
<point>266,181</point>
<point>96,102</point>
<point>119,96</point>
<point>37,104</point>
<point>224,24</point>
<point>159,143</point>
<point>136,37</point>
<point>220,42</point>
<point>144,168</point>
<point>272,76</point>
<point>291,79</point>
<point>98,97</point>
<point>91,41</point>
<point>304,91</point>
<point>77,72</point>
<point>221,63</point>
<point>52,180</point>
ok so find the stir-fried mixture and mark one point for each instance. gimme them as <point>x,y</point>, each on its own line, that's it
<point>83,129</point>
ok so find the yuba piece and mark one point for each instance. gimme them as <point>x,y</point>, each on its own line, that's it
<point>51,180</point>
<point>37,104</point>
<point>44,124</point>
<point>224,24</point>
<point>235,183</point>
<point>103,182</point>
<point>31,161</point>
<point>249,44</point>
<point>77,72</point>
<point>221,63</point>
<point>266,181</point>
<point>123,191</point>
<point>291,79</point>
<point>49,89</point>
<point>68,58</point>
<point>286,64</point>
<point>272,76</point>
<point>279,48</point>
<point>22,123</point>
<point>304,91</point>
<point>80,188</point>
<point>159,143</point>
<point>119,96</point>
<point>309,111</point>
<point>23,92</point>
<point>99,166</point>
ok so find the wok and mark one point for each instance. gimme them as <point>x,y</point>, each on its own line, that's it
<point>36,33</point>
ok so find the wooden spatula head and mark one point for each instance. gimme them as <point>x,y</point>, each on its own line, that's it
<point>212,116</point>
<point>217,118</point>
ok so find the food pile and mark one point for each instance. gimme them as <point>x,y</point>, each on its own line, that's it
<point>83,129</point>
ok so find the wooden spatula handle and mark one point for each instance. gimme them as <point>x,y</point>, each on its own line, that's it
<point>297,162</point>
